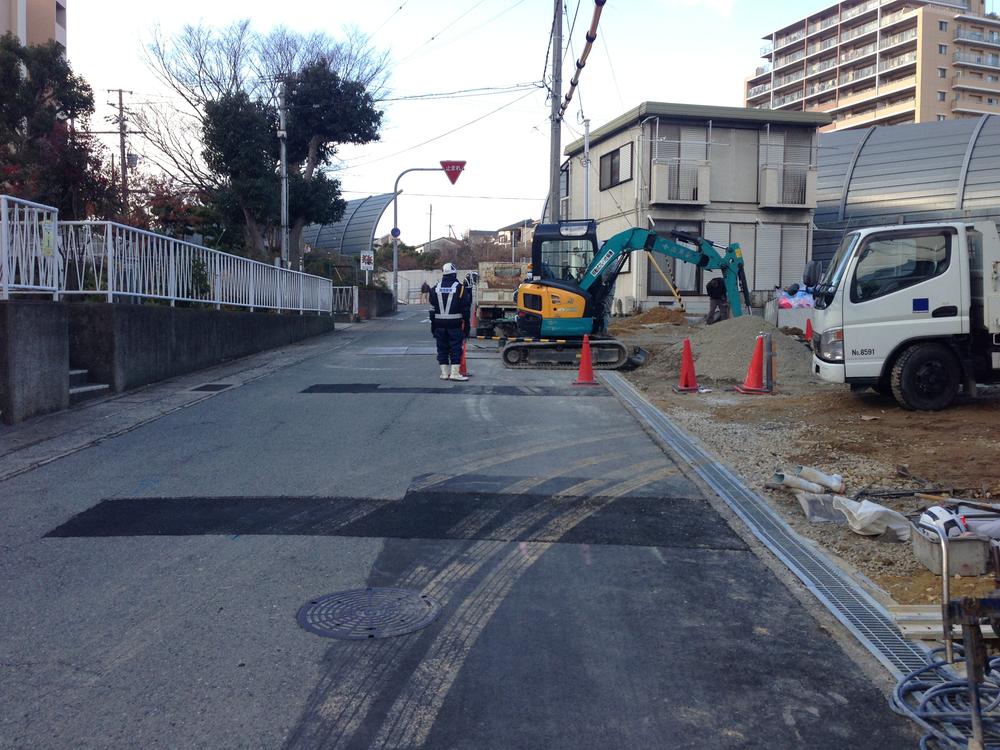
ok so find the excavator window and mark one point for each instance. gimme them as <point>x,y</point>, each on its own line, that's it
<point>566,259</point>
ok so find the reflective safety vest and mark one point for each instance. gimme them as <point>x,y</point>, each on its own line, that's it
<point>444,308</point>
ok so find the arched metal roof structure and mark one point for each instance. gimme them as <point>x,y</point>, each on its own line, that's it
<point>355,232</point>
<point>935,171</point>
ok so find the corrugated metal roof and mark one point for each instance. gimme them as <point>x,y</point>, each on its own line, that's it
<point>719,115</point>
<point>355,232</point>
<point>934,171</point>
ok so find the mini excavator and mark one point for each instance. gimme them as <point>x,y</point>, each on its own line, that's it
<point>570,290</point>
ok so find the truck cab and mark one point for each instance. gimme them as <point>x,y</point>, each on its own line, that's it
<point>903,309</point>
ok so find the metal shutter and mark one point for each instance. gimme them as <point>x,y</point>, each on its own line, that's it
<point>793,253</point>
<point>625,162</point>
<point>767,261</point>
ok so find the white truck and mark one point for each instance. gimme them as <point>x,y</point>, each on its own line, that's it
<point>495,304</point>
<point>911,310</point>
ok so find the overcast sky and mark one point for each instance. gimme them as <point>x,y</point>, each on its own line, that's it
<point>688,51</point>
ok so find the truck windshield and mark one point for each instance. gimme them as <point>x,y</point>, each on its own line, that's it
<point>827,287</point>
<point>567,259</point>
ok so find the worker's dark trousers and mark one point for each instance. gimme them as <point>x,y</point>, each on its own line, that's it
<point>449,345</point>
<point>717,310</point>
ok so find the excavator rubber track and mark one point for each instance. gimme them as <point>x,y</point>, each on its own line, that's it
<point>606,354</point>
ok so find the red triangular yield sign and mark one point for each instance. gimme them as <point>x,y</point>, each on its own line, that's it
<point>453,169</point>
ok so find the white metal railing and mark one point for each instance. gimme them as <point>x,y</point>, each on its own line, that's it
<point>854,54</point>
<point>850,34</point>
<point>857,10</point>
<point>114,260</point>
<point>901,38</point>
<point>897,62</point>
<point>758,90</point>
<point>821,46</point>
<point>976,36</point>
<point>29,258</point>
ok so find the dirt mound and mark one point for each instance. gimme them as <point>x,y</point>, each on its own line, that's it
<point>723,351</point>
<point>650,317</point>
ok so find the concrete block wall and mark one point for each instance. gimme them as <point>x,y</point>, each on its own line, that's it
<point>34,359</point>
<point>128,346</point>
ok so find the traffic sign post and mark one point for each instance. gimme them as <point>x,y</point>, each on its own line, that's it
<point>368,264</point>
<point>452,170</point>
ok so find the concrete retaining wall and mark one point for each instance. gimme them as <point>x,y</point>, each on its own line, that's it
<point>373,303</point>
<point>34,359</point>
<point>128,346</point>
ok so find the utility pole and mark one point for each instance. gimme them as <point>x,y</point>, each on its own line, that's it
<point>122,135</point>
<point>556,94</point>
<point>430,225</point>
<point>586,167</point>
<point>283,141</point>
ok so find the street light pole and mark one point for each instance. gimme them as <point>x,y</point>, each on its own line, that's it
<point>395,228</point>
<point>283,140</point>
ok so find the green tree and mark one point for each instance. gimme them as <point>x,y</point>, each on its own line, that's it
<point>44,111</point>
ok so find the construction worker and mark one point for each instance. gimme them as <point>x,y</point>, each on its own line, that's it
<point>451,304</point>
<point>718,303</point>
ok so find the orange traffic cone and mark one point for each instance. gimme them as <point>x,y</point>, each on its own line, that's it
<point>754,381</point>
<point>688,381</point>
<point>809,332</point>
<point>462,369</point>
<point>586,374</point>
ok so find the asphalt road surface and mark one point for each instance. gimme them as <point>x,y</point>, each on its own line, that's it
<point>587,594</point>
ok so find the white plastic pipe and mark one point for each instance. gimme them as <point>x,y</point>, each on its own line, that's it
<point>834,482</point>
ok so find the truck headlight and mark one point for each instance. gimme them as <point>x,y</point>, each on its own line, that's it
<point>831,345</point>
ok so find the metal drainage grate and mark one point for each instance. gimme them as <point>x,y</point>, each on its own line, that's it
<point>213,387</point>
<point>368,613</point>
<point>862,615</point>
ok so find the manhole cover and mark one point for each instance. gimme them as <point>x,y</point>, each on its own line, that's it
<point>368,613</point>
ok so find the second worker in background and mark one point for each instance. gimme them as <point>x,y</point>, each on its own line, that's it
<point>451,305</point>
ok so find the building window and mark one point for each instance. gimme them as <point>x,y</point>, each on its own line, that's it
<point>993,78</point>
<point>942,117</point>
<point>942,95</point>
<point>942,72</point>
<point>616,167</point>
<point>942,49</point>
<point>942,25</point>
<point>991,100</point>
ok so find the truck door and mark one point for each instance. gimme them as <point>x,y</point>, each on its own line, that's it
<point>905,284</point>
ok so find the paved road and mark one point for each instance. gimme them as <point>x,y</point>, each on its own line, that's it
<point>590,596</point>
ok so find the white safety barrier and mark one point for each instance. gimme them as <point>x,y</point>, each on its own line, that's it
<point>345,299</point>
<point>114,260</point>
<point>29,256</point>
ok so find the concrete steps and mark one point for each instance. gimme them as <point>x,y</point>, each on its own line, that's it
<point>81,389</point>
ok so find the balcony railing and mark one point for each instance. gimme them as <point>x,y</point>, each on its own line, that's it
<point>790,78</point>
<point>891,18</point>
<point>962,35</point>
<point>988,61</point>
<point>824,24</point>
<point>859,31</point>
<point>826,44</point>
<point>781,101</point>
<point>857,75</point>
<point>821,66</point>
<point>854,54</point>
<point>895,39</point>
<point>897,62</point>
<point>789,59</point>
<point>857,10</point>
<point>819,88</point>
<point>784,41</point>
<point>758,90</point>
<point>766,50</point>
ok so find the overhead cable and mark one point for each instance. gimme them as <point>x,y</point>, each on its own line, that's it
<point>591,38</point>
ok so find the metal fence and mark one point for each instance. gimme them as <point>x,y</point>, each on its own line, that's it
<point>29,258</point>
<point>345,299</point>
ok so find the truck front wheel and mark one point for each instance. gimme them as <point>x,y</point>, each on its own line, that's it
<point>925,377</point>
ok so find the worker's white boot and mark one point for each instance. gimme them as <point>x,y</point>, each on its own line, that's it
<point>444,372</point>
<point>456,373</point>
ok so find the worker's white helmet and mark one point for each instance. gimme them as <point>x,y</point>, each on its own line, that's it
<point>449,268</point>
<point>951,522</point>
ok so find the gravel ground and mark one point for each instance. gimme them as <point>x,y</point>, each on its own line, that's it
<point>864,438</point>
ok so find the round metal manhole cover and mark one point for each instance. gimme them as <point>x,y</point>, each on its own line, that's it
<point>368,613</point>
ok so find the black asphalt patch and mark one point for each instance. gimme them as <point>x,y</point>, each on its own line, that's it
<point>465,389</point>
<point>675,522</point>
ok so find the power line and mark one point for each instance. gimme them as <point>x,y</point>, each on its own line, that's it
<point>466,93</point>
<point>611,67</point>
<point>436,34</point>
<point>442,135</point>
<point>391,16</point>
<point>449,195</point>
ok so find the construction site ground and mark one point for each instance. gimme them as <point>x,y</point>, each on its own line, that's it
<point>867,438</point>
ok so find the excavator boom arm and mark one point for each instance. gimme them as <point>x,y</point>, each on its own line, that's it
<point>690,249</point>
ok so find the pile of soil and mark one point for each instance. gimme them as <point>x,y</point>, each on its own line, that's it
<point>649,318</point>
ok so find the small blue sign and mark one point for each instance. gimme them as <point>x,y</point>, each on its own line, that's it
<point>921,304</point>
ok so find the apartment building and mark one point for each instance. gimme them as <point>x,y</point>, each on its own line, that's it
<point>729,174</point>
<point>34,21</point>
<point>884,62</point>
